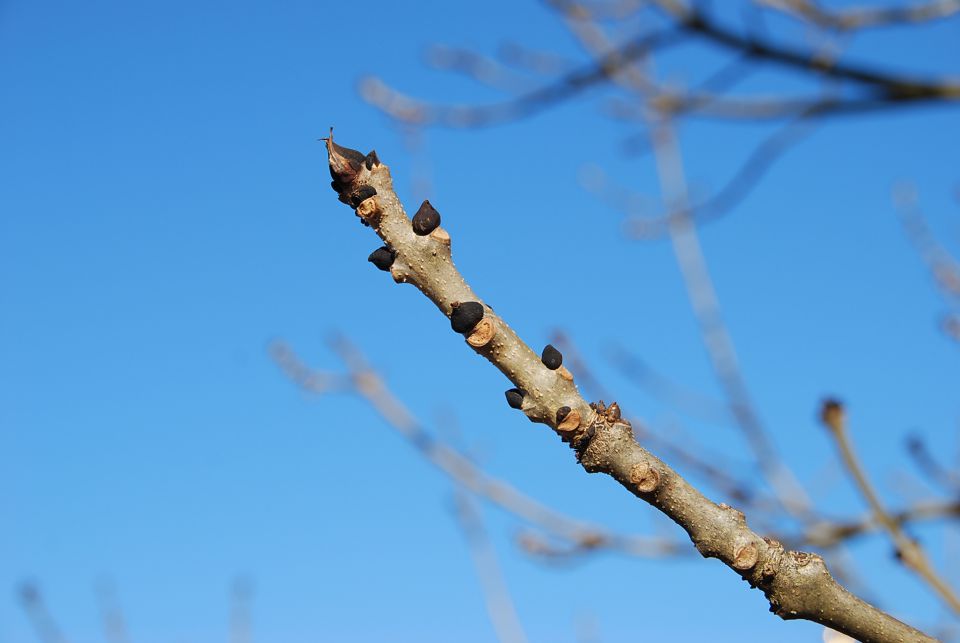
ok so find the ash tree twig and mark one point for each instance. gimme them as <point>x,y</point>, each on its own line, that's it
<point>111,614</point>
<point>930,467</point>
<point>461,470</point>
<point>829,534</point>
<point>859,18</point>
<point>797,584</point>
<point>833,416</point>
<point>36,610</point>
<point>496,595</point>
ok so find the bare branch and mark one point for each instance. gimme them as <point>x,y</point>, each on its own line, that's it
<point>714,470</point>
<point>500,608</point>
<point>888,85</point>
<point>796,584</point>
<point>830,534</point>
<point>241,593</point>
<point>672,393</point>
<point>44,625</point>
<point>930,467</point>
<point>908,549</point>
<point>865,17</point>
<point>410,110</point>
<point>746,177</point>
<point>480,68</point>
<point>537,545</point>
<point>111,615</point>
<point>944,267</point>
<point>368,384</point>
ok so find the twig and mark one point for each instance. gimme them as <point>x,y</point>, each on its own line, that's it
<point>409,110</point>
<point>111,615</point>
<point>942,265</point>
<point>829,534</point>
<point>713,470</point>
<point>796,584</point>
<point>930,467</point>
<point>878,89</point>
<point>865,17</point>
<point>370,386</point>
<point>496,595</point>
<point>668,391</point>
<point>908,550</point>
<point>536,545</point>
<point>887,85</point>
<point>716,338</point>
<point>44,626</point>
<point>746,177</point>
<point>241,594</point>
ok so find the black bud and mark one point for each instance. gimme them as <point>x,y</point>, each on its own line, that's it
<point>562,413</point>
<point>382,258</point>
<point>465,316</point>
<point>371,160</point>
<point>514,398</point>
<point>362,194</point>
<point>426,219</point>
<point>551,357</point>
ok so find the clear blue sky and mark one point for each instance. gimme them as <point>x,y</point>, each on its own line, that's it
<point>166,213</point>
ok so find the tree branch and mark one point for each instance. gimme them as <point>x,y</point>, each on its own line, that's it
<point>909,550</point>
<point>865,17</point>
<point>797,584</point>
<point>461,470</point>
<point>889,85</point>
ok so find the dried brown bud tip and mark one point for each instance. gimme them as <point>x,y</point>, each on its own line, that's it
<point>465,316</point>
<point>831,413</point>
<point>362,194</point>
<point>551,357</point>
<point>562,413</point>
<point>371,160</point>
<point>426,219</point>
<point>382,258</point>
<point>345,164</point>
<point>514,398</point>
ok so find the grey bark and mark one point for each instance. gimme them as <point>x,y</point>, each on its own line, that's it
<point>797,584</point>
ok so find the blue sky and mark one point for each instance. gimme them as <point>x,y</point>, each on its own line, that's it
<point>167,214</point>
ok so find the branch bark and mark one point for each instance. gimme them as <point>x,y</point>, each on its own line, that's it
<point>797,584</point>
